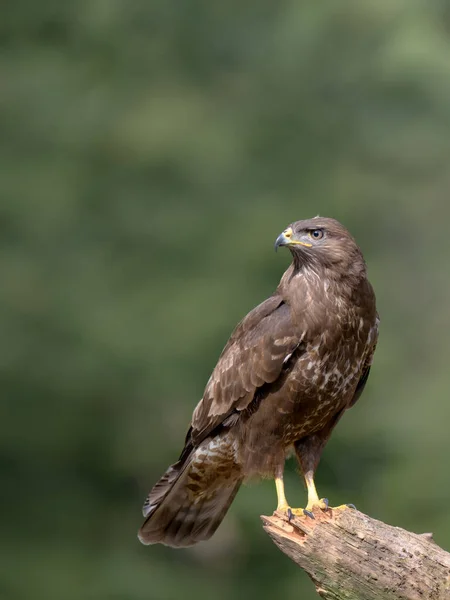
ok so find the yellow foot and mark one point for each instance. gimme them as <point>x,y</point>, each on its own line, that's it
<point>304,512</point>
<point>321,504</point>
<point>318,505</point>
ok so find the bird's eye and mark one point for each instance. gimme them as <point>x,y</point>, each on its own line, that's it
<point>316,234</point>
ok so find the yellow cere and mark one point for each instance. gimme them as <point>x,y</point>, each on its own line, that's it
<point>288,234</point>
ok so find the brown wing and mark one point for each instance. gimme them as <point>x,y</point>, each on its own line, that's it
<point>253,356</point>
<point>368,363</point>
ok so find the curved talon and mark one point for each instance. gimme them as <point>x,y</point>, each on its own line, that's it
<point>308,513</point>
<point>327,504</point>
<point>290,514</point>
<point>351,506</point>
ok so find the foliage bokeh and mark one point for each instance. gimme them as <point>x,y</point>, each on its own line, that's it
<point>151,152</point>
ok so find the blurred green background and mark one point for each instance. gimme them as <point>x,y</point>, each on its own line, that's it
<point>151,152</point>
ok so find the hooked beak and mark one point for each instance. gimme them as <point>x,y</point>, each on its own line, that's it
<point>286,239</point>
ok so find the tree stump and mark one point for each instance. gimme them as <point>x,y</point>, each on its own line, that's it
<point>350,556</point>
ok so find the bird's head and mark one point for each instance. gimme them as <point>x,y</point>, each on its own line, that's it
<point>322,242</point>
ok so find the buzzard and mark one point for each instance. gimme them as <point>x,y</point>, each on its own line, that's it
<point>289,371</point>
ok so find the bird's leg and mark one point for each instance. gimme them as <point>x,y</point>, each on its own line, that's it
<point>282,504</point>
<point>308,451</point>
<point>313,498</point>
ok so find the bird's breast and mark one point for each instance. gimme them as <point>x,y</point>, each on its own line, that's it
<point>317,384</point>
<point>325,376</point>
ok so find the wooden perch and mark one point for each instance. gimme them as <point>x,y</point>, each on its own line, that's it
<point>350,556</point>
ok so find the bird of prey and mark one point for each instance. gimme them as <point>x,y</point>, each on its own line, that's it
<point>289,371</point>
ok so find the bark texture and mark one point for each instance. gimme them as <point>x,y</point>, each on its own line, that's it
<point>350,556</point>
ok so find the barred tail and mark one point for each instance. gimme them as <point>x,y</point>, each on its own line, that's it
<point>188,503</point>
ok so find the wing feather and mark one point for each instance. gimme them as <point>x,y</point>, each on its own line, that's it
<point>254,355</point>
<point>368,363</point>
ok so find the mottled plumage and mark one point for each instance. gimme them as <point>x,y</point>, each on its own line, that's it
<point>290,369</point>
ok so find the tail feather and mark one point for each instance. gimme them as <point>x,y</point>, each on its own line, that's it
<point>184,508</point>
<point>161,489</point>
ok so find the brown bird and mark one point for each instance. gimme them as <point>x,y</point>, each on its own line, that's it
<point>290,369</point>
